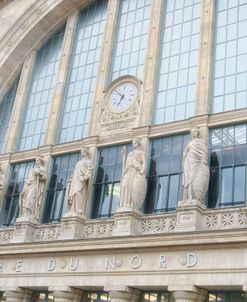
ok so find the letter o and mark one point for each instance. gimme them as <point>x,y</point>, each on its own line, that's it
<point>137,259</point>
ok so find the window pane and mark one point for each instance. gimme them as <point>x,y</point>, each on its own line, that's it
<point>229,74</point>
<point>165,173</point>
<point>63,167</point>
<point>227,166</point>
<point>178,62</point>
<point>106,191</point>
<point>40,92</point>
<point>6,106</point>
<point>131,38</point>
<point>10,209</point>
<point>81,80</point>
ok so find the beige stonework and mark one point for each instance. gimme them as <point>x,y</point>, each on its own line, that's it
<point>57,99</point>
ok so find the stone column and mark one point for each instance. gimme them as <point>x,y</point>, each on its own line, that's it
<point>184,296</point>
<point>205,58</point>
<point>66,294</point>
<point>57,99</point>
<point>18,295</point>
<point>124,296</point>
<point>152,59</point>
<point>105,63</point>
<point>21,94</point>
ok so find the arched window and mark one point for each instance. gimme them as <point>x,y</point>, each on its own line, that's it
<point>6,107</point>
<point>131,39</point>
<point>230,56</point>
<point>40,93</point>
<point>82,73</point>
<point>176,87</point>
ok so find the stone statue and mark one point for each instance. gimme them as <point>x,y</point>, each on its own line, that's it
<point>1,178</point>
<point>77,188</point>
<point>196,171</point>
<point>31,195</point>
<point>133,184</point>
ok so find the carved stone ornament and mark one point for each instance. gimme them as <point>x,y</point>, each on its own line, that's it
<point>32,193</point>
<point>133,183</point>
<point>121,105</point>
<point>196,171</point>
<point>77,187</point>
<point>1,178</point>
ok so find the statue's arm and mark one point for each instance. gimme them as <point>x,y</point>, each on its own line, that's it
<point>143,167</point>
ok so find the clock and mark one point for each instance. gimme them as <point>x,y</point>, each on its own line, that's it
<point>123,94</point>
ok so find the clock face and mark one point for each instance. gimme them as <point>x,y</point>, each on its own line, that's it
<point>123,96</point>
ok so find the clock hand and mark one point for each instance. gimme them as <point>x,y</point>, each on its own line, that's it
<point>122,96</point>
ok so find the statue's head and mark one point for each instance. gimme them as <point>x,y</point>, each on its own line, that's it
<point>39,160</point>
<point>84,151</point>
<point>136,142</point>
<point>195,132</point>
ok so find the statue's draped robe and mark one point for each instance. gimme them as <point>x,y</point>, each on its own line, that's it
<point>77,194</point>
<point>196,172</point>
<point>31,195</point>
<point>133,185</point>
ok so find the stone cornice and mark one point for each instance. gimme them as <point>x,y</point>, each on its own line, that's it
<point>174,241</point>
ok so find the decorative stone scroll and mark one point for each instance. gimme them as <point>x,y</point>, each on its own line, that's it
<point>77,188</point>
<point>196,171</point>
<point>133,183</point>
<point>32,193</point>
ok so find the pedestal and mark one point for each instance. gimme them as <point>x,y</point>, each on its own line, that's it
<point>127,223</point>
<point>24,229</point>
<point>189,216</point>
<point>73,227</point>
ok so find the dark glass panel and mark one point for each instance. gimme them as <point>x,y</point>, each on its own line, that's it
<point>239,184</point>
<point>173,191</point>
<point>162,193</point>
<point>227,156</point>
<point>226,185</point>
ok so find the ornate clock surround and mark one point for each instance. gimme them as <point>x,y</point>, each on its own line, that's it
<point>114,120</point>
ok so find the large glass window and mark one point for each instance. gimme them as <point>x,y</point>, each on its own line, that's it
<point>10,209</point>
<point>42,296</point>
<point>227,166</point>
<point>63,168</point>
<point>176,87</point>
<point>40,93</point>
<point>230,57</point>
<point>6,107</point>
<point>164,188</point>
<point>106,195</point>
<point>226,297</point>
<point>131,38</point>
<point>82,74</point>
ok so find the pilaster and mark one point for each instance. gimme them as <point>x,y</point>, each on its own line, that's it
<point>187,296</point>
<point>17,295</point>
<point>105,62</point>
<point>57,100</point>
<point>152,58</point>
<point>21,94</point>
<point>205,58</point>
<point>66,294</point>
<point>124,296</point>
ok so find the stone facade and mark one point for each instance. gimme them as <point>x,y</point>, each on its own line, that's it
<point>187,252</point>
